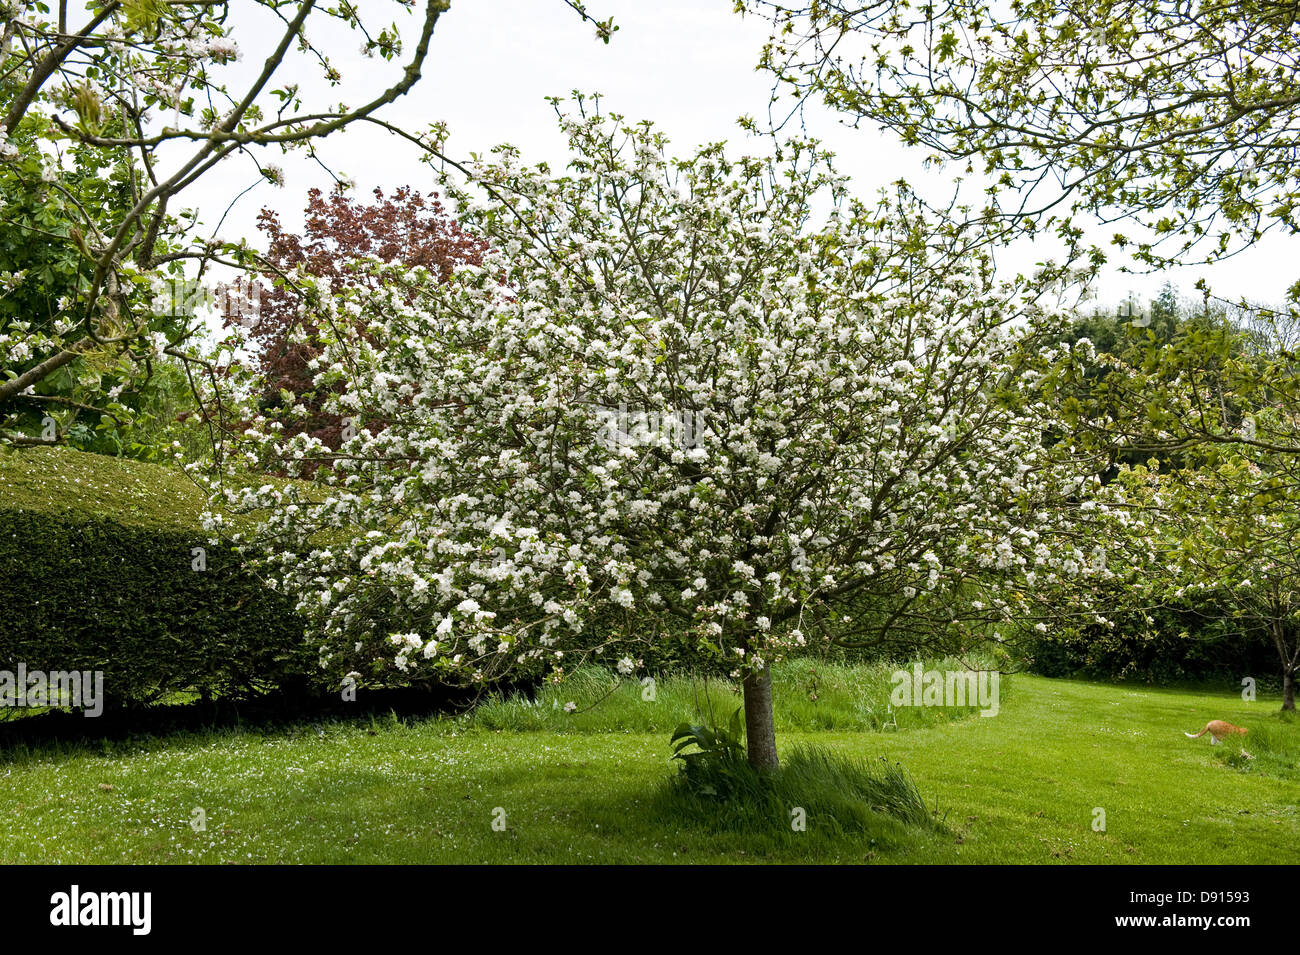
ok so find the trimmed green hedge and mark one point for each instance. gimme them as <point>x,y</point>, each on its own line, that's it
<point>97,573</point>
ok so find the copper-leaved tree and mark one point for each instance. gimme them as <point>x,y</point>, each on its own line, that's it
<point>339,234</point>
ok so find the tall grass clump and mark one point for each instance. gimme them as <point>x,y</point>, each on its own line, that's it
<point>816,795</point>
<point>1271,748</point>
<point>809,695</point>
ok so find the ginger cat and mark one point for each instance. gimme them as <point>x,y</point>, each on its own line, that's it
<point>1217,730</point>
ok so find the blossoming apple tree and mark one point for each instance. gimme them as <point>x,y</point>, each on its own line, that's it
<point>675,401</point>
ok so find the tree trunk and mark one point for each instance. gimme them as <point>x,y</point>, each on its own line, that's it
<point>1288,662</point>
<point>760,730</point>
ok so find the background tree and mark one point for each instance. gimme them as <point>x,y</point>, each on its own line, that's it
<point>146,93</point>
<point>1179,114</point>
<point>1137,348</point>
<point>1198,406</point>
<point>91,401</point>
<point>1191,388</point>
<point>673,402</point>
<point>1226,536</point>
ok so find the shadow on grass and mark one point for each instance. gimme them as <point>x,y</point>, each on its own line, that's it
<point>65,730</point>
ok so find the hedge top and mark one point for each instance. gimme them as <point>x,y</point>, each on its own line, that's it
<point>74,483</point>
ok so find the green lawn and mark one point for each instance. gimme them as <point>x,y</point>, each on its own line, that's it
<point>1018,787</point>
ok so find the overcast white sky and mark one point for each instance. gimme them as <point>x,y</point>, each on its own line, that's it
<point>688,65</point>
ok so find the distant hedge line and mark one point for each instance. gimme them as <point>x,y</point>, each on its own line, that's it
<point>82,592</point>
<point>1186,643</point>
